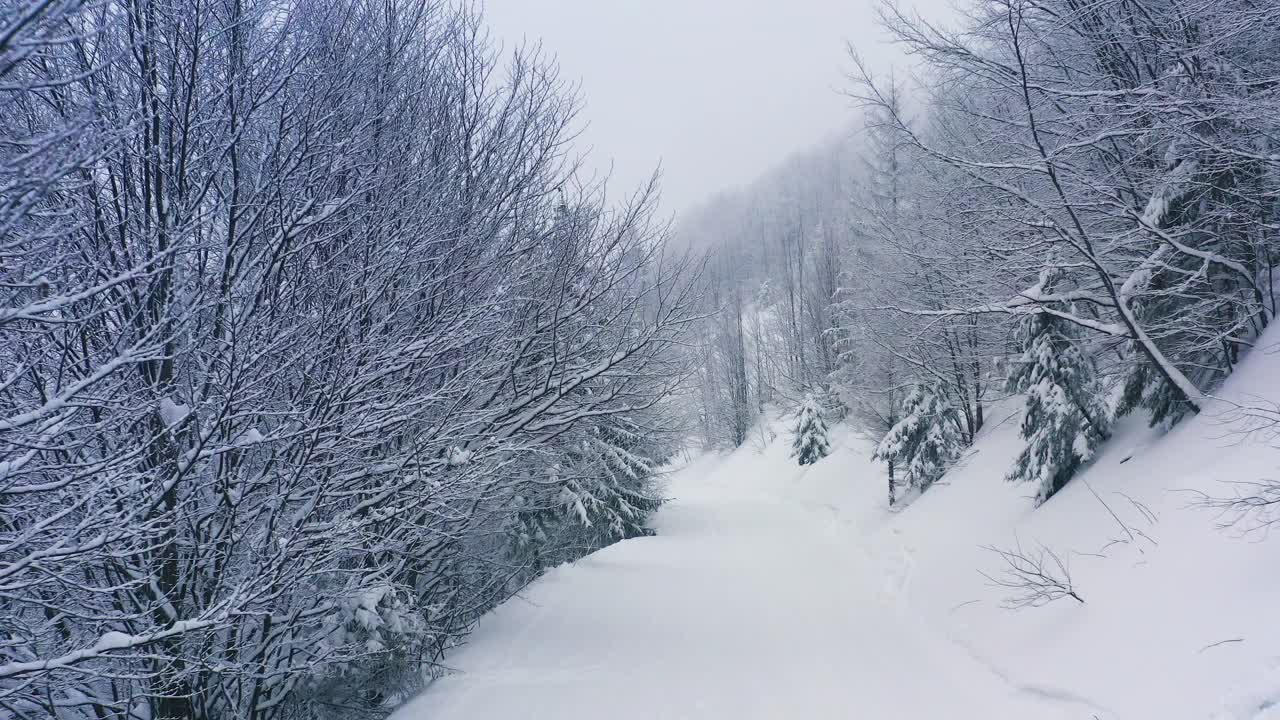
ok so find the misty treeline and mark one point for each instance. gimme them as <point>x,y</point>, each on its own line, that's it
<point>314,347</point>
<point>1072,202</point>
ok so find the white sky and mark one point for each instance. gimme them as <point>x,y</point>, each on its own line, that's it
<point>714,91</point>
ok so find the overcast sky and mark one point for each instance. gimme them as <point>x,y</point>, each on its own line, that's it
<point>714,91</point>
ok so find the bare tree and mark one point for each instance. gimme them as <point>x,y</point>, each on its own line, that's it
<point>298,299</point>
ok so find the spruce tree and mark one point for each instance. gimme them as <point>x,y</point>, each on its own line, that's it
<point>620,495</point>
<point>925,442</point>
<point>1066,417</point>
<point>602,492</point>
<point>810,444</point>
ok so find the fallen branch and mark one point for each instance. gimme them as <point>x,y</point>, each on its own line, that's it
<point>1035,579</point>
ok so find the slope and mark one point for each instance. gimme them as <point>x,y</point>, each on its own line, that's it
<point>1179,599</point>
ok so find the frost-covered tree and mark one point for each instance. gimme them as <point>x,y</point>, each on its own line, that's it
<point>809,442</point>
<point>1066,416</point>
<point>774,261</point>
<point>925,442</point>
<point>602,491</point>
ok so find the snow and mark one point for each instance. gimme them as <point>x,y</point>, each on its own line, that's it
<point>172,412</point>
<point>458,456</point>
<point>106,643</point>
<point>774,591</point>
<point>114,640</point>
<point>753,601</point>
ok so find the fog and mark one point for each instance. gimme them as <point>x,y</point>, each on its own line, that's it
<point>713,92</point>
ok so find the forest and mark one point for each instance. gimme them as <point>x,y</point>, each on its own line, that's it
<point>1072,202</point>
<point>318,342</point>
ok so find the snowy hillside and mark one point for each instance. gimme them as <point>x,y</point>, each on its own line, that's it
<point>1178,613</point>
<point>773,591</point>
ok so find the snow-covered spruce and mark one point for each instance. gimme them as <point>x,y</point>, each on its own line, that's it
<point>601,493</point>
<point>926,441</point>
<point>809,442</point>
<point>1066,417</point>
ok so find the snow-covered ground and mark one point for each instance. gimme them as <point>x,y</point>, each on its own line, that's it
<point>773,591</point>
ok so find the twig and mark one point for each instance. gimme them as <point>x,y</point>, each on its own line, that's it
<point>1220,642</point>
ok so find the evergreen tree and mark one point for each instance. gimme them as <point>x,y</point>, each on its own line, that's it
<point>602,492</point>
<point>616,493</point>
<point>1066,417</point>
<point>810,443</point>
<point>925,442</point>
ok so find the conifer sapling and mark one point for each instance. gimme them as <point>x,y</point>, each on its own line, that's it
<point>810,443</point>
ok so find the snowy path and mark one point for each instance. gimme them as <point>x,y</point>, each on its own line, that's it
<point>750,603</point>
